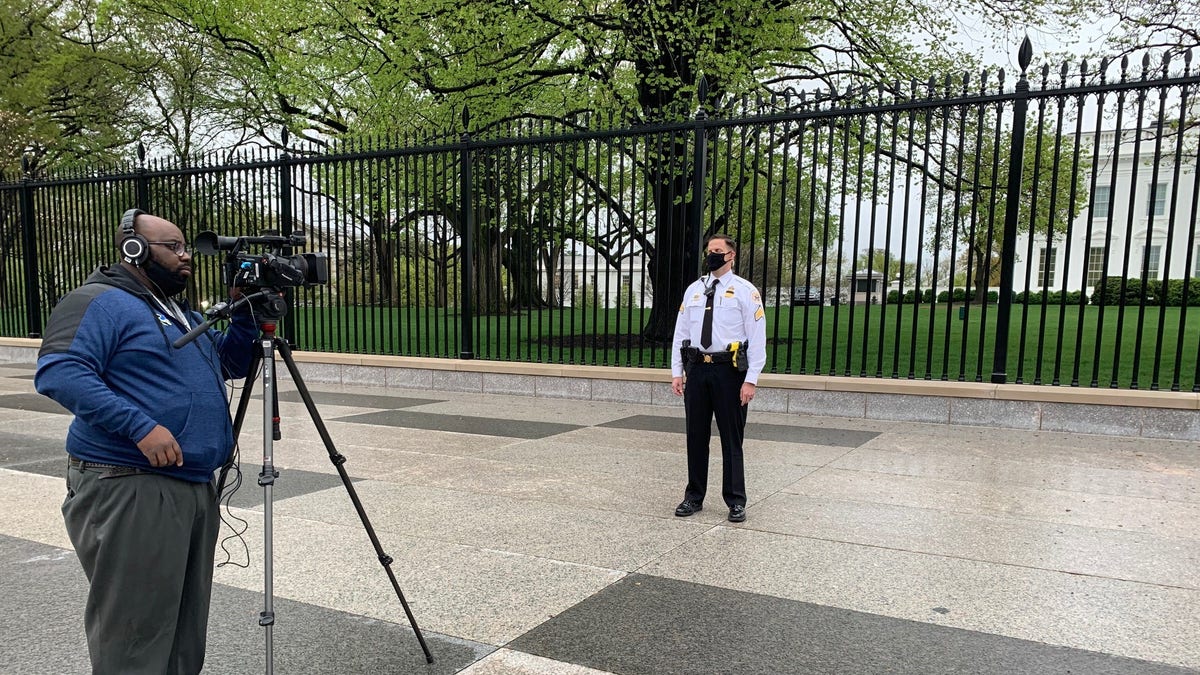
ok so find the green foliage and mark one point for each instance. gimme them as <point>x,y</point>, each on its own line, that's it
<point>1050,298</point>
<point>67,88</point>
<point>1121,291</point>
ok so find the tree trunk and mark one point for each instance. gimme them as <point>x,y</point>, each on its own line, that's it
<point>673,263</point>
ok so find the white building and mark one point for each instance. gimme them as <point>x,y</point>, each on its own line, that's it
<point>1145,213</point>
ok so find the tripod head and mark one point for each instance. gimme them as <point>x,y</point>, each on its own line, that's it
<point>268,305</point>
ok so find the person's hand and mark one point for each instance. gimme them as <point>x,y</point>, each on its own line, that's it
<point>160,448</point>
<point>747,393</point>
<point>677,386</point>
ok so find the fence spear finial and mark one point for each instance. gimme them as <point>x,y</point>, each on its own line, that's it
<point>1025,54</point>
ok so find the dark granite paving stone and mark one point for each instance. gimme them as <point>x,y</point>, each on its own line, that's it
<point>650,625</point>
<point>32,402</point>
<point>290,483</point>
<point>21,448</point>
<point>357,400</point>
<point>42,595</point>
<point>56,467</point>
<point>844,438</point>
<point>487,426</point>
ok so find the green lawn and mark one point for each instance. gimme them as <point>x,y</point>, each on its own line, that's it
<point>922,342</point>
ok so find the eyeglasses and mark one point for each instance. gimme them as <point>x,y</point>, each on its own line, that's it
<point>177,247</point>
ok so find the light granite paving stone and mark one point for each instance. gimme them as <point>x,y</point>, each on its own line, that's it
<point>624,452</point>
<point>453,380</point>
<point>637,494</point>
<point>1178,484</point>
<point>509,662</point>
<point>409,378</point>
<point>605,539</point>
<point>470,592</point>
<point>908,408</point>
<point>505,383</point>
<point>827,403</point>
<point>1174,424</point>
<point>628,484</point>
<point>1083,419</point>
<point>1132,556</point>
<point>30,507</point>
<point>41,425</point>
<point>995,413</point>
<point>1119,617</point>
<point>1045,447</point>
<point>563,387</point>
<point>1126,514</point>
<point>621,391</point>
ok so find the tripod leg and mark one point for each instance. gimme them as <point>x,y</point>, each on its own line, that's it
<point>338,460</point>
<point>243,402</point>
<point>266,478</point>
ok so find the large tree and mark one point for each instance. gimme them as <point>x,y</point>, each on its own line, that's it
<point>333,69</point>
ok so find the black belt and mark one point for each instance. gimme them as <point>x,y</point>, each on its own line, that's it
<point>697,356</point>
<point>76,463</point>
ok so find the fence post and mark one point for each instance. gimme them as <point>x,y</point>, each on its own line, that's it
<point>33,305</point>
<point>467,218</point>
<point>141,184</point>
<point>695,238</point>
<point>1012,213</point>
<point>286,225</point>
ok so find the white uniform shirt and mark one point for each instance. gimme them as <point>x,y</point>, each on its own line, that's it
<point>737,317</point>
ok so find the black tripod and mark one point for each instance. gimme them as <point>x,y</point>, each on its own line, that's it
<point>264,355</point>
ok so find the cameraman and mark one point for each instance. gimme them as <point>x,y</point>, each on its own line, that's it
<point>151,425</point>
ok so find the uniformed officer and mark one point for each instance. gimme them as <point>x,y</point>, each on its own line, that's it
<point>720,343</point>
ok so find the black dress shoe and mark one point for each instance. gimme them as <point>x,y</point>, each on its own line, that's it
<point>737,513</point>
<point>687,508</point>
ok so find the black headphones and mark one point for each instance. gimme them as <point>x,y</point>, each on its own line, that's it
<point>134,248</point>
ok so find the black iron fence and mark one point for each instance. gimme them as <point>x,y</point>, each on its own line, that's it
<point>952,230</point>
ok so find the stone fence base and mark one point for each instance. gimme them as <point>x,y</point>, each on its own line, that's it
<point>1114,412</point>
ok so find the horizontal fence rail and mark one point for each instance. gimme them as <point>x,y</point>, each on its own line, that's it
<point>961,230</point>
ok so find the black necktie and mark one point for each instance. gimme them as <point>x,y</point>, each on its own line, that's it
<point>706,328</point>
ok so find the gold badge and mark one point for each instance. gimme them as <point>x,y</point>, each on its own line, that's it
<point>729,292</point>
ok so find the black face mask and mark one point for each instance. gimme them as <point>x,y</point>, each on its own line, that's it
<point>715,261</point>
<point>170,283</point>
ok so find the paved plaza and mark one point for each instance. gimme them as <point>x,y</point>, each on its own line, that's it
<point>537,535</point>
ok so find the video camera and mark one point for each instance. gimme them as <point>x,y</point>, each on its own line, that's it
<point>267,269</point>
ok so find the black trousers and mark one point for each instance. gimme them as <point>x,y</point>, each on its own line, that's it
<point>715,389</point>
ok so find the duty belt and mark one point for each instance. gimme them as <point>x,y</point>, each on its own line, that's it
<point>694,355</point>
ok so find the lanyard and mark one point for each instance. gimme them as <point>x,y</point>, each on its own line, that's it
<point>173,311</point>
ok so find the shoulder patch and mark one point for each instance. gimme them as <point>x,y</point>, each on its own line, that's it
<point>681,308</point>
<point>755,296</point>
<point>759,314</point>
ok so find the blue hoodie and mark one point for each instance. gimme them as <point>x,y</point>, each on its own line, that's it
<point>107,357</point>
